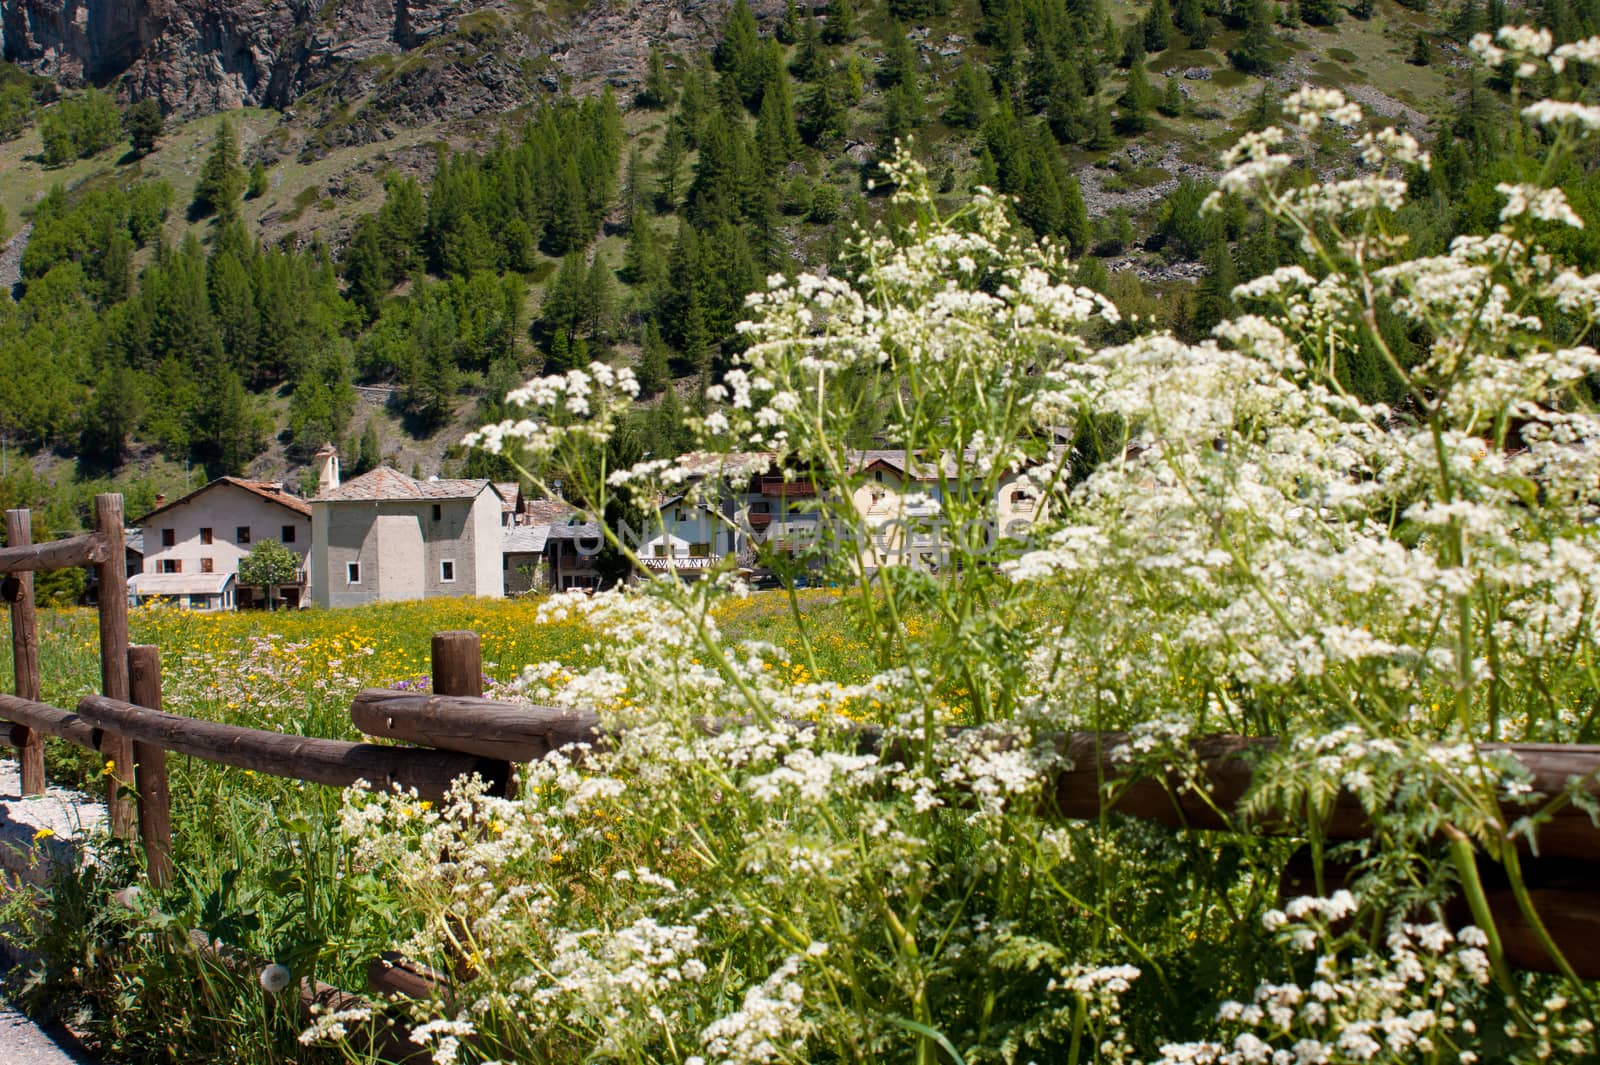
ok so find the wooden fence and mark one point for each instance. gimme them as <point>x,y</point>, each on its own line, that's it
<point>454,731</point>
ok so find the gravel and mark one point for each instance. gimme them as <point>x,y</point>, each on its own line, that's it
<point>63,817</point>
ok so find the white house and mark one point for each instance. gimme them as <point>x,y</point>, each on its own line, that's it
<point>385,537</point>
<point>193,545</point>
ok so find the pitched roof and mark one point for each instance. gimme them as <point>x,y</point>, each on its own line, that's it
<point>548,511</point>
<point>509,490</point>
<point>272,491</point>
<point>526,539</point>
<point>387,483</point>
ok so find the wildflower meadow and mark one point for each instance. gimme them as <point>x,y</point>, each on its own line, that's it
<point>1235,543</point>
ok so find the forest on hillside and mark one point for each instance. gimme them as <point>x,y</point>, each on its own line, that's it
<point>761,153</point>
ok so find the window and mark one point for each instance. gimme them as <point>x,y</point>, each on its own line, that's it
<point>169,538</point>
<point>438,512</point>
<point>206,566</point>
<point>447,571</point>
<point>288,535</point>
<point>699,550</point>
<point>660,550</point>
<point>171,565</point>
<point>352,572</point>
<point>241,535</point>
<point>205,537</point>
<point>877,475</point>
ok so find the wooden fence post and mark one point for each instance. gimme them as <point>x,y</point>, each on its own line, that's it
<point>150,768</point>
<point>25,654</point>
<point>113,574</point>
<point>457,663</point>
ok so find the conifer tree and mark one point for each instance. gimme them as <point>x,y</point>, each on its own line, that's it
<point>222,179</point>
<point>1136,101</point>
<point>1101,136</point>
<point>823,113</point>
<point>143,123</point>
<point>969,102</point>
<point>1257,44</point>
<point>1320,12</point>
<point>256,187</point>
<point>1190,17</point>
<point>653,371</point>
<point>1157,27</point>
<point>369,455</point>
<point>669,166</point>
<point>1421,55</point>
<point>657,82</point>
<point>810,63</point>
<point>840,24</point>
<point>1171,99</point>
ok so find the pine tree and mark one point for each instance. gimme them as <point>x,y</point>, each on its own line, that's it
<point>1101,135</point>
<point>222,179</point>
<point>1257,44</point>
<point>599,298</point>
<point>969,102</point>
<point>669,167</point>
<point>788,31</point>
<point>369,456</point>
<point>653,371</point>
<point>1214,299</point>
<point>810,63</point>
<point>1421,54</point>
<point>657,82</point>
<point>1189,16</point>
<point>143,123</point>
<point>1320,12</point>
<point>823,114</point>
<point>840,24</point>
<point>642,261</point>
<point>1136,101</point>
<point>1171,99</point>
<point>1157,27</point>
<point>562,311</point>
<point>899,60</point>
<point>366,270</point>
<point>777,139</point>
<point>257,185</point>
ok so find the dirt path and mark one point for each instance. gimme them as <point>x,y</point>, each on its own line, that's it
<point>33,833</point>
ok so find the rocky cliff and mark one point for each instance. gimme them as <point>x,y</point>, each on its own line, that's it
<point>381,61</point>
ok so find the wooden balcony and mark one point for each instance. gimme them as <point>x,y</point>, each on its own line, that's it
<point>777,486</point>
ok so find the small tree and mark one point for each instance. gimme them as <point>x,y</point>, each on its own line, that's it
<point>258,185</point>
<point>1421,54</point>
<point>269,565</point>
<point>143,124</point>
<point>222,179</point>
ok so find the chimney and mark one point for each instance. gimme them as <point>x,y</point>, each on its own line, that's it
<point>161,499</point>
<point>327,460</point>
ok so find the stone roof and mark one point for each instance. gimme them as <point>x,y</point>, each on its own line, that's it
<point>508,494</point>
<point>526,539</point>
<point>387,483</point>
<point>548,511</point>
<point>271,491</point>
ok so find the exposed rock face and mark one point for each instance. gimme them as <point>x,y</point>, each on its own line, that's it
<point>407,60</point>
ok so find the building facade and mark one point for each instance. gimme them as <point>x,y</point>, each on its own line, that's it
<point>193,545</point>
<point>386,537</point>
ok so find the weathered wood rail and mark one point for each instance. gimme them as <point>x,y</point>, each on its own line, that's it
<point>454,731</point>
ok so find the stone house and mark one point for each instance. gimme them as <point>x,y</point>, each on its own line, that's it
<point>192,546</point>
<point>387,537</point>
